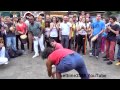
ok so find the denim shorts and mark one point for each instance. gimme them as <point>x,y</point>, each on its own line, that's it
<point>73,61</point>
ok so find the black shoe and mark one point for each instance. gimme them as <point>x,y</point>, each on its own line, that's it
<point>106,59</point>
<point>109,62</point>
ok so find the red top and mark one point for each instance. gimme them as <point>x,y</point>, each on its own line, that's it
<point>21,28</point>
<point>58,54</point>
<point>58,46</point>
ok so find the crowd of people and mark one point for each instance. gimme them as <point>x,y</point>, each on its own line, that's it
<point>75,33</point>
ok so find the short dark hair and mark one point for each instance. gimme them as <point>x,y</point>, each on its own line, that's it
<point>47,52</point>
<point>18,20</point>
<point>114,18</point>
<point>51,40</point>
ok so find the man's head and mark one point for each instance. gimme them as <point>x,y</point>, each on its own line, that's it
<point>52,42</point>
<point>74,17</point>
<point>87,15</point>
<point>47,52</point>
<point>40,19</point>
<point>65,18</point>
<point>47,17</point>
<point>31,19</point>
<point>82,12</point>
<point>7,19</point>
<point>98,17</point>
<point>112,19</point>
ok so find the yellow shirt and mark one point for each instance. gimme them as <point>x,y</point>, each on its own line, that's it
<point>73,29</point>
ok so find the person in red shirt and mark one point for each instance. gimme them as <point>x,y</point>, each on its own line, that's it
<point>64,60</point>
<point>54,44</point>
<point>21,29</point>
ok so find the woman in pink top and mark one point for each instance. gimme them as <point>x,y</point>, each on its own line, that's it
<point>64,60</point>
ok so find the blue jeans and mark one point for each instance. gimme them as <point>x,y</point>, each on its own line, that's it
<point>118,53</point>
<point>73,61</point>
<point>11,42</point>
<point>65,41</point>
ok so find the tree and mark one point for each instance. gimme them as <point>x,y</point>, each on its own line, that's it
<point>109,13</point>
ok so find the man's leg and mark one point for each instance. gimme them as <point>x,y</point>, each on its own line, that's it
<point>8,42</point>
<point>14,43</point>
<point>63,40</point>
<point>93,48</point>
<point>112,50</point>
<point>98,44</point>
<point>41,43</point>
<point>107,48</point>
<point>66,41</point>
<point>36,47</point>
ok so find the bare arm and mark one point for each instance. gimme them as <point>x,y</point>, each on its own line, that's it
<point>49,67</point>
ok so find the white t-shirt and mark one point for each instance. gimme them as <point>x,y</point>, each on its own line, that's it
<point>65,28</point>
<point>79,25</point>
<point>27,23</point>
<point>47,31</point>
<point>54,32</point>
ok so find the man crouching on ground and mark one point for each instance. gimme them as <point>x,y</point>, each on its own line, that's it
<point>64,60</point>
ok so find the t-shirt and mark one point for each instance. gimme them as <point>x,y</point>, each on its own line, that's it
<point>35,28</point>
<point>54,32</point>
<point>21,28</point>
<point>58,54</point>
<point>10,33</point>
<point>82,31</point>
<point>27,23</point>
<point>47,31</point>
<point>97,26</point>
<point>112,36</point>
<point>65,27</point>
<point>58,46</point>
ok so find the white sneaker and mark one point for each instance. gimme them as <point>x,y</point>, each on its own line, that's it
<point>90,54</point>
<point>36,55</point>
<point>6,63</point>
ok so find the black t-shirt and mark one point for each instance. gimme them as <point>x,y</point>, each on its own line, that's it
<point>112,36</point>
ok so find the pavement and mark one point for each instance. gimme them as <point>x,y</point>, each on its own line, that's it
<point>25,67</point>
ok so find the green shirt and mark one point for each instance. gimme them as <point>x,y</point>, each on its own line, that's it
<point>35,28</point>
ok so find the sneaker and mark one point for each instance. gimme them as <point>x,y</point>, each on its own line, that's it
<point>106,59</point>
<point>90,55</point>
<point>97,57</point>
<point>6,63</point>
<point>109,62</point>
<point>36,55</point>
<point>118,63</point>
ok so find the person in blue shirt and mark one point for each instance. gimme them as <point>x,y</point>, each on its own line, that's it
<point>98,27</point>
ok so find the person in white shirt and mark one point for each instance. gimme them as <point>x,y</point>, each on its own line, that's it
<point>54,29</point>
<point>3,59</point>
<point>47,33</point>
<point>66,28</point>
<point>81,28</point>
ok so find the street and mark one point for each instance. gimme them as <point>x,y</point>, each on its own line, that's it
<point>25,67</point>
